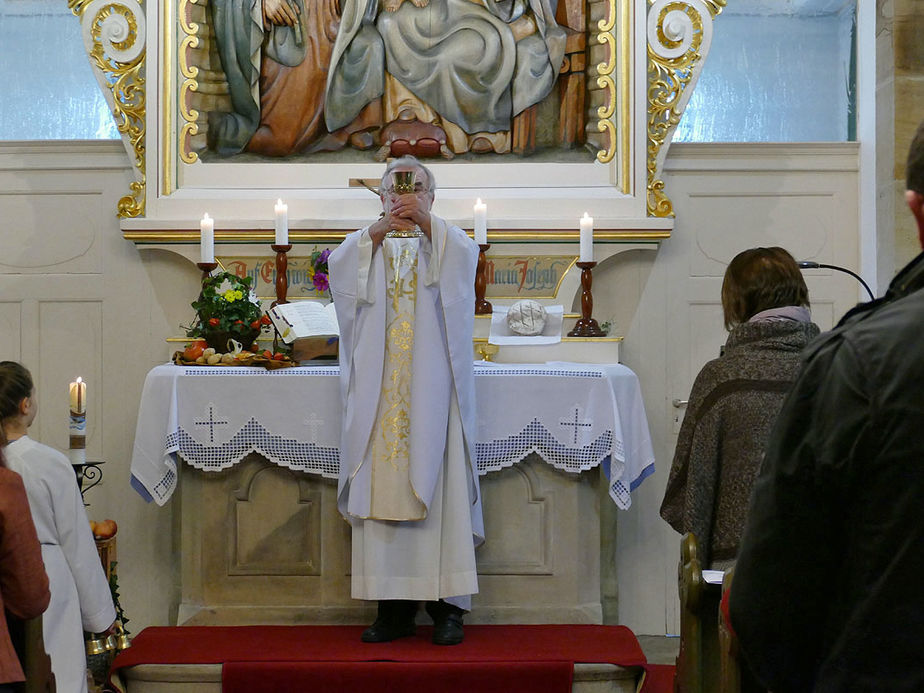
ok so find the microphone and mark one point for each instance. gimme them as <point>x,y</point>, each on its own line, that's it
<point>808,264</point>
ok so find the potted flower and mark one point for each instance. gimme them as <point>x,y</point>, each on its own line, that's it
<point>318,272</point>
<point>227,309</point>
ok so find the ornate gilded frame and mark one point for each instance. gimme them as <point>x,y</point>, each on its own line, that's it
<point>645,63</point>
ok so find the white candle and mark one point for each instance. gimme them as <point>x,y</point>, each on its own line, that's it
<point>481,223</point>
<point>282,223</point>
<point>78,396</point>
<point>587,238</point>
<point>206,239</point>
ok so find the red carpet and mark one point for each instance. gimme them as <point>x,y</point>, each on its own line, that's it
<point>506,659</point>
<point>659,678</point>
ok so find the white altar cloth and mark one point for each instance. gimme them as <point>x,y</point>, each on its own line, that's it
<point>574,416</point>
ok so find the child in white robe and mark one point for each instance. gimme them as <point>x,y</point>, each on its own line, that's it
<point>80,595</point>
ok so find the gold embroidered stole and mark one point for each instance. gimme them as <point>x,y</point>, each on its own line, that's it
<point>392,496</point>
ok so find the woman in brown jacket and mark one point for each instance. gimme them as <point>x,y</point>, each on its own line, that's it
<point>735,400</point>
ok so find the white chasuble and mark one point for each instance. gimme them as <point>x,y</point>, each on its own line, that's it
<point>407,483</point>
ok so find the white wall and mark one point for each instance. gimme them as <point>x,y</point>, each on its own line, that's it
<point>77,299</point>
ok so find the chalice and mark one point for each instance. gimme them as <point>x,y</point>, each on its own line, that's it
<point>403,183</point>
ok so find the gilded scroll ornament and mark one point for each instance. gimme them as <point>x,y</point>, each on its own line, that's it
<point>114,38</point>
<point>679,35</point>
<point>189,73</point>
<point>606,82</point>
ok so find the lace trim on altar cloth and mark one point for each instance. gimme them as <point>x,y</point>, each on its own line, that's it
<point>262,372</point>
<point>481,371</point>
<point>491,456</point>
<point>498,454</point>
<point>253,437</point>
<point>316,459</point>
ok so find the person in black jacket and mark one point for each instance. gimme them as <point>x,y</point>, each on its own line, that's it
<point>827,593</point>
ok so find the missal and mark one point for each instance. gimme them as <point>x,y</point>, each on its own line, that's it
<point>302,319</point>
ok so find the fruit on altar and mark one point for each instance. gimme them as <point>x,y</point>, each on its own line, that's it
<point>105,529</point>
<point>194,350</point>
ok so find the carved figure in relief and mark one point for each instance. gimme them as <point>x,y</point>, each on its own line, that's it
<point>441,77</point>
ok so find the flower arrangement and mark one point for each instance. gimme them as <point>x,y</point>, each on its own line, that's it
<point>317,270</point>
<point>227,309</point>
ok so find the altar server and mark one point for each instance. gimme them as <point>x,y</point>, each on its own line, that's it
<point>408,486</point>
<point>80,595</point>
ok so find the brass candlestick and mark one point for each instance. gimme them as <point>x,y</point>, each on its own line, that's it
<point>206,268</point>
<point>586,326</point>
<point>482,307</point>
<point>282,272</point>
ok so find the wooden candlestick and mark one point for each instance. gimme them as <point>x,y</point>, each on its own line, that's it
<point>482,307</point>
<point>586,326</point>
<point>206,268</point>
<point>282,269</point>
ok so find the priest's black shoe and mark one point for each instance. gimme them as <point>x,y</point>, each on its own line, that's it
<point>395,619</point>
<point>447,623</point>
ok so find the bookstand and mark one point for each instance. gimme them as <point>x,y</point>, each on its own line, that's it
<point>586,326</point>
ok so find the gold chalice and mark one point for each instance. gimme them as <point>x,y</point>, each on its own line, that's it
<point>403,183</point>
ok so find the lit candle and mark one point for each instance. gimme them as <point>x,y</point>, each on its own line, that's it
<point>207,239</point>
<point>282,223</point>
<point>78,392</point>
<point>587,238</point>
<point>481,223</point>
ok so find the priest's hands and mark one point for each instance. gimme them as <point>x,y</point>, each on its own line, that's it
<point>402,213</point>
<point>410,210</point>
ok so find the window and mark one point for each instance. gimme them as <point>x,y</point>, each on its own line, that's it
<point>777,71</point>
<point>49,91</point>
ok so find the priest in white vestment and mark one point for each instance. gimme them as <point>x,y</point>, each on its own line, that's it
<point>408,485</point>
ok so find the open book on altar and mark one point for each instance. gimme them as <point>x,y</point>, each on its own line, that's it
<point>302,319</point>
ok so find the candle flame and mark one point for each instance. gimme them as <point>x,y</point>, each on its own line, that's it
<point>79,380</point>
<point>205,216</point>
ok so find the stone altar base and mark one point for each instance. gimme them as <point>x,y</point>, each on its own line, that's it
<point>261,544</point>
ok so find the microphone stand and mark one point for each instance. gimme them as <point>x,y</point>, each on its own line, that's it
<point>808,264</point>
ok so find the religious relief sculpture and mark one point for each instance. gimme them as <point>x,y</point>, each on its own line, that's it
<point>435,78</point>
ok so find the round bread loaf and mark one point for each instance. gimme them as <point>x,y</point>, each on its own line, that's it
<point>526,317</point>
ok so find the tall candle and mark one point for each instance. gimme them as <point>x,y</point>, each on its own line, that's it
<point>481,223</point>
<point>587,238</point>
<point>78,422</point>
<point>282,223</point>
<point>207,239</point>
<point>78,393</point>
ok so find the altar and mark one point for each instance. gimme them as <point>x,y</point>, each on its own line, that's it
<point>259,536</point>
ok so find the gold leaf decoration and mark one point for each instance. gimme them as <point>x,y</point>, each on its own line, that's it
<point>679,35</point>
<point>189,73</point>
<point>114,38</point>
<point>605,81</point>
